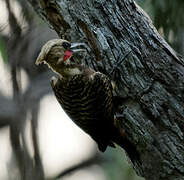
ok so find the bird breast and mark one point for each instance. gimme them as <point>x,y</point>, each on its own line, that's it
<point>87,101</point>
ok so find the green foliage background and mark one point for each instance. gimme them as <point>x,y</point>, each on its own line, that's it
<point>168,18</point>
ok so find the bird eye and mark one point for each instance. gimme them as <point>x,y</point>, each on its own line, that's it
<point>66,45</point>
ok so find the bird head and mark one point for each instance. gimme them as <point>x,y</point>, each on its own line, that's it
<point>57,54</point>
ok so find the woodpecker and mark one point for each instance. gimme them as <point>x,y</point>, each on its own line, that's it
<point>84,94</point>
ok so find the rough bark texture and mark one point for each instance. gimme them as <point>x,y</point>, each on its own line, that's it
<point>150,79</point>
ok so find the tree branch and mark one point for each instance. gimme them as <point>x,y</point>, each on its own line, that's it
<point>8,111</point>
<point>84,164</point>
<point>39,172</point>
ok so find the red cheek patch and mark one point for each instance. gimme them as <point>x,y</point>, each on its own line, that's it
<point>67,55</point>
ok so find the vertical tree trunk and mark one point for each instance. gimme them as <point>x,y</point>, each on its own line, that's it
<point>150,79</point>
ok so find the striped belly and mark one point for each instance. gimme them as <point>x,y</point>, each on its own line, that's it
<point>85,102</point>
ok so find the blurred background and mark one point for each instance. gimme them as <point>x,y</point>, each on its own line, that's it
<point>37,139</point>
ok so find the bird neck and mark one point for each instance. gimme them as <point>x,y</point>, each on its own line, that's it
<point>68,72</point>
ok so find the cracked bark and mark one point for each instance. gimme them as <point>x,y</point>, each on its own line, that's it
<point>150,78</point>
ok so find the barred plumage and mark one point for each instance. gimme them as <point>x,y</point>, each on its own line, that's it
<point>85,95</point>
<point>88,102</point>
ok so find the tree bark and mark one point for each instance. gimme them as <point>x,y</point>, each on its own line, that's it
<point>150,79</point>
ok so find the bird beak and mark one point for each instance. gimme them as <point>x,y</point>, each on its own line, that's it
<point>78,47</point>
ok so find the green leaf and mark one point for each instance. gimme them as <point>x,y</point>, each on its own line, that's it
<point>3,50</point>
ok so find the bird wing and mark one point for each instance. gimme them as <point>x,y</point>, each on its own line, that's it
<point>88,102</point>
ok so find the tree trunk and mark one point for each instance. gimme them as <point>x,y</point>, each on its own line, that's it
<point>150,79</point>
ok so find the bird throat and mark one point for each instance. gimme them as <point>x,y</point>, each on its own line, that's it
<point>72,71</point>
<point>65,71</point>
